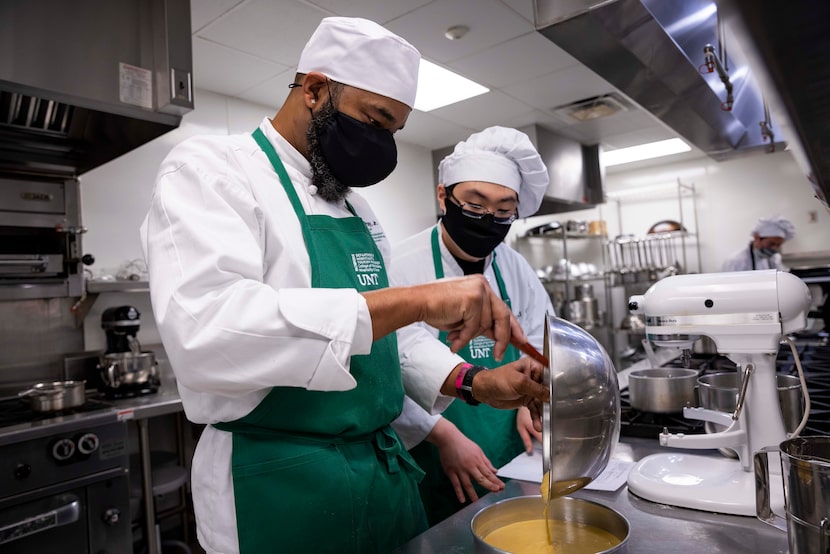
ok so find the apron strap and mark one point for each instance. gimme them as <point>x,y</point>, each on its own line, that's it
<point>385,441</point>
<point>439,266</point>
<point>287,185</point>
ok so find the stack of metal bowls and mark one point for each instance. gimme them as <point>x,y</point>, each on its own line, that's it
<point>581,427</point>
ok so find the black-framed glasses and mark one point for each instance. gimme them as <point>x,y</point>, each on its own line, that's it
<point>477,211</point>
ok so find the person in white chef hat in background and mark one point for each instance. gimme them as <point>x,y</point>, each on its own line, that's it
<point>764,251</point>
<point>488,181</point>
<point>268,282</point>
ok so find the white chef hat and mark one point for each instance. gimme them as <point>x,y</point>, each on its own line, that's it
<point>362,54</point>
<point>503,156</point>
<point>775,226</point>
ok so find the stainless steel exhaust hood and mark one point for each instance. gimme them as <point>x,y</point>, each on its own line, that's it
<point>84,82</point>
<point>761,54</point>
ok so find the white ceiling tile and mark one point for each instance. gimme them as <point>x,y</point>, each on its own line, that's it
<point>432,132</point>
<point>378,11</point>
<point>490,23</point>
<point>249,49</point>
<point>273,30</point>
<point>517,60</point>
<point>203,12</point>
<point>482,111</point>
<point>272,92</point>
<point>522,7</point>
<point>560,87</point>
<point>228,71</point>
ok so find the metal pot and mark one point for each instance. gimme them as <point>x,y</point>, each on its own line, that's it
<point>527,508</point>
<point>127,368</point>
<point>55,396</point>
<point>662,390</point>
<point>719,391</point>
<point>581,424</point>
<point>805,471</point>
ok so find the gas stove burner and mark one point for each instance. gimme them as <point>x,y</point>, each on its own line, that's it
<point>15,411</point>
<point>636,423</point>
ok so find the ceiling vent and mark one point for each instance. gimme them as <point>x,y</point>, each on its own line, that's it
<point>588,109</point>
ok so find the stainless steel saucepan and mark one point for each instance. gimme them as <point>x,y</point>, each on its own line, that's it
<point>55,396</point>
<point>127,368</point>
<point>662,390</point>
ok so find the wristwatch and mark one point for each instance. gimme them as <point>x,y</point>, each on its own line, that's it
<point>464,383</point>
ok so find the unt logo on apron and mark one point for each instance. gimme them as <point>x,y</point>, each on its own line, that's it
<point>367,268</point>
<point>480,348</point>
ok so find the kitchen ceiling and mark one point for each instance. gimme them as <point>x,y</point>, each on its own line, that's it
<point>249,49</point>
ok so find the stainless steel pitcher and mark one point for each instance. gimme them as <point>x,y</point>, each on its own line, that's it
<point>805,471</point>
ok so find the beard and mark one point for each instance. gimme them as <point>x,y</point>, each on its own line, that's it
<point>328,186</point>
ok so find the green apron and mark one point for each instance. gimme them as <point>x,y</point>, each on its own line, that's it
<point>494,430</point>
<point>318,471</point>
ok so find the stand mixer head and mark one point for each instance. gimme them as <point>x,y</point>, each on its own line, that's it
<point>746,314</point>
<point>121,325</point>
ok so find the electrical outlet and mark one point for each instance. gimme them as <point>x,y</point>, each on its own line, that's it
<point>181,86</point>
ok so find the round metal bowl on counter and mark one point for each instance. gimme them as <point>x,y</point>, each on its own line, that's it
<point>581,424</point>
<point>577,527</point>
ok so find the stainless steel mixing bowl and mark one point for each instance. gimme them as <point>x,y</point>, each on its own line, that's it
<point>581,425</point>
<point>528,508</point>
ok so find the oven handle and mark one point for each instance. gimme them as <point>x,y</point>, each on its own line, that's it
<point>34,262</point>
<point>62,515</point>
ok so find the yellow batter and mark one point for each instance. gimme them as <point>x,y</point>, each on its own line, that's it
<point>560,488</point>
<point>529,537</point>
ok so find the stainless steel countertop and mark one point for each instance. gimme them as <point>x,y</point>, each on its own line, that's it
<point>165,401</point>
<point>655,528</point>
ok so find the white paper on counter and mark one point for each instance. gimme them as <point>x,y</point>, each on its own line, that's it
<point>529,468</point>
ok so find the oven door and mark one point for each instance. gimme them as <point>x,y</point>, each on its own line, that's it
<point>89,515</point>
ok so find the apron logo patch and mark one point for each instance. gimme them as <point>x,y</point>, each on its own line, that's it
<point>367,268</point>
<point>480,348</point>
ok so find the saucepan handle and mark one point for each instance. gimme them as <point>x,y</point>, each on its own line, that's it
<point>112,376</point>
<point>763,492</point>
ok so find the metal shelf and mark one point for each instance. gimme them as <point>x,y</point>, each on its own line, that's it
<point>94,287</point>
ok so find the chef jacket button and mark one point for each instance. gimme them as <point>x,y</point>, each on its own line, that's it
<point>312,190</point>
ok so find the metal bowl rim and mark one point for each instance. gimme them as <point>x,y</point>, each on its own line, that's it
<point>505,501</point>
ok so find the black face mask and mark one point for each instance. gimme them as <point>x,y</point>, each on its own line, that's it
<point>476,237</point>
<point>357,153</point>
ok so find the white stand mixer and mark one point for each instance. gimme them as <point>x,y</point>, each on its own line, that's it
<point>746,314</point>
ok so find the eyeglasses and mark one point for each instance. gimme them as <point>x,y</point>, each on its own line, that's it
<point>476,211</point>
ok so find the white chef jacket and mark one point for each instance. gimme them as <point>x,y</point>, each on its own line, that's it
<point>742,261</point>
<point>413,264</point>
<point>230,284</point>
